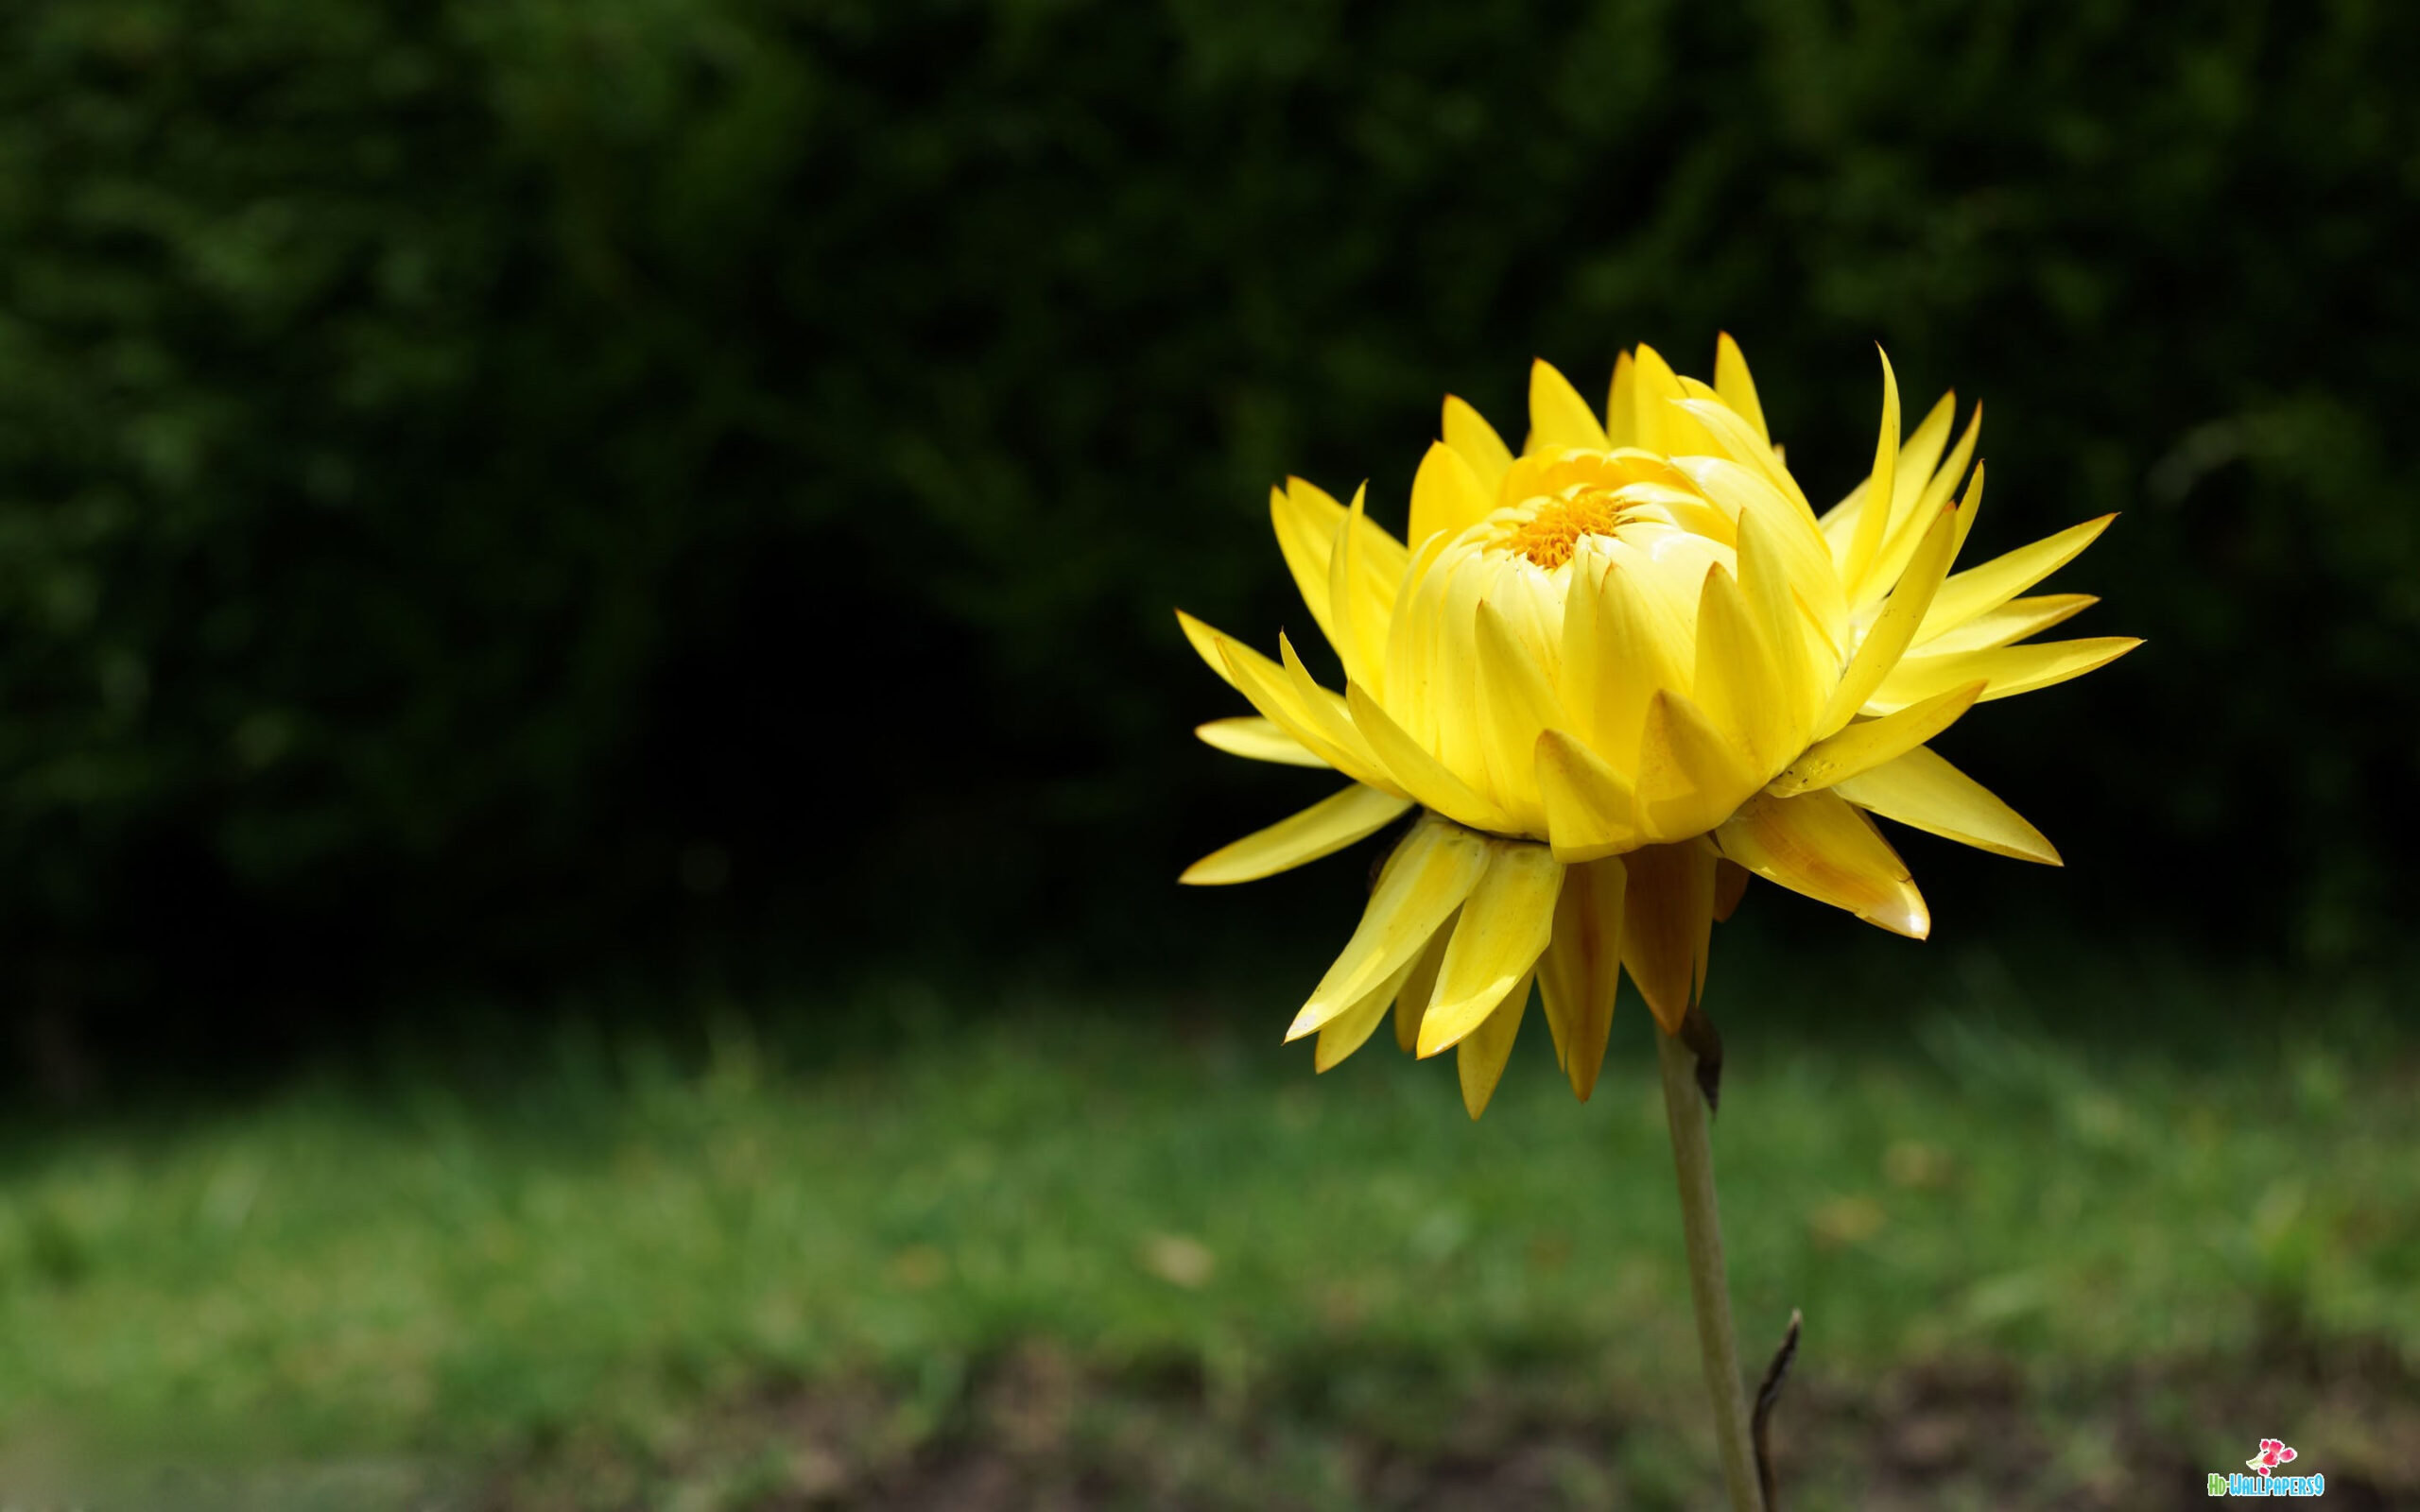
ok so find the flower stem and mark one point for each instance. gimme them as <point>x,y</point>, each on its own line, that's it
<point>1701,1229</point>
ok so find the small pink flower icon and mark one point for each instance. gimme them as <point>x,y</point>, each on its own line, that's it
<point>2273,1453</point>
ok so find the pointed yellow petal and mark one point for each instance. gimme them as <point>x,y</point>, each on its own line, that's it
<point>1888,639</point>
<point>1361,618</point>
<point>1690,776</point>
<point>1663,425</point>
<point>1478,1058</point>
<point>1579,670</point>
<point>1913,474</point>
<point>1734,682</point>
<point>1590,808</point>
<point>1429,875</point>
<point>1790,535</point>
<point>1205,642</point>
<point>1468,432</point>
<point>1737,389</point>
<point>1558,416</point>
<point>1638,641</point>
<point>1421,774</point>
<point>1782,629</point>
<point>1739,446</point>
<point>2013,620</point>
<point>1516,703</point>
<point>1946,477</point>
<point>1446,493</point>
<point>1308,521</point>
<point>1255,739</point>
<point>1581,967</point>
<point>1868,744</point>
<point>1907,524</point>
<point>1819,845</point>
<point>1981,589</point>
<point>1323,829</point>
<point>1270,689</point>
<point>1419,986</point>
<point>1839,524</point>
<point>1667,923</point>
<point>1348,1031</point>
<point>1411,634</point>
<point>1264,684</point>
<point>1621,403</point>
<point>1923,792</point>
<point>1325,715</point>
<point>1874,516</point>
<point>1503,931</point>
<point>2005,671</point>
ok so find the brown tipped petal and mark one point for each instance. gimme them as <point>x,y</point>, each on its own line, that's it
<point>1479,1057</point>
<point>1667,920</point>
<point>1820,844</point>
<point>1581,969</point>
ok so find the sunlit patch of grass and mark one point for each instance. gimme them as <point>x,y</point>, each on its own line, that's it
<point>456,1275</point>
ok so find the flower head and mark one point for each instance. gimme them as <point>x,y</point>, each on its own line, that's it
<point>1618,674</point>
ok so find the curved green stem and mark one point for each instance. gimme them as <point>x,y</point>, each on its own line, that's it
<point>1701,1229</point>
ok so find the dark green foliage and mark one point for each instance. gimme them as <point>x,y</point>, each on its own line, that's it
<point>463,467</point>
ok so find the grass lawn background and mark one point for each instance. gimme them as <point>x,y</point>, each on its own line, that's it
<point>768,1271</point>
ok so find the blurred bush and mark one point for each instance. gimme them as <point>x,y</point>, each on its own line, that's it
<point>500,482</point>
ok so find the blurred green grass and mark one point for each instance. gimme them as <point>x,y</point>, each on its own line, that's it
<point>456,1269</point>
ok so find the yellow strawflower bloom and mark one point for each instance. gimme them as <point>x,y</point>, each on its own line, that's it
<point>1618,674</point>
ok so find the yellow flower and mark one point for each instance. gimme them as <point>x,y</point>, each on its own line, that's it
<point>1618,674</point>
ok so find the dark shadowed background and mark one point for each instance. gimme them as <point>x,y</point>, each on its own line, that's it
<point>493,495</point>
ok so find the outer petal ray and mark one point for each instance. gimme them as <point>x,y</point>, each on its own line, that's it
<point>2005,671</point>
<point>1874,515</point>
<point>1558,416</point>
<point>1419,986</point>
<point>1923,792</point>
<point>1504,929</point>
<point>1667,926</point>
<point>1737,389</point>
<point>1981,589</point>
<point>1869,743</point>
<point>1819,845</point>
<point>1422,775</point>
<point>2013,620</point>
<point>1580,970</point>
<point>1447,496</point>
<point>1348,1031</point>
<point>1479,1057</point>
<point>1888,640</point>
<point>1308,521</point>
<point>1428,878</point>
<point>1468,432</point>
<point>1323,829</point>
<point>1256,739</point>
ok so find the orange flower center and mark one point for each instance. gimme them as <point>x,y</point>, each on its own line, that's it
<point>1550,535</point>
